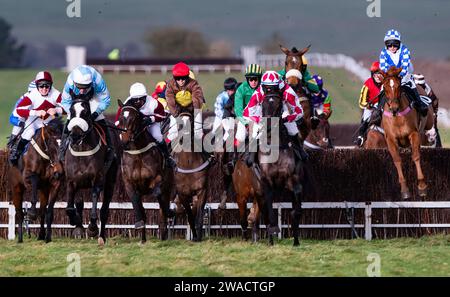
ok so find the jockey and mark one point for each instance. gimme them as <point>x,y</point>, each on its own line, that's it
<point>84,82</point>
<point>242,96</point>
<point>160,94</point>
<point>153,112</point>
<point>272,82</point>
<point>368,99</point>
<point>397,54</point>
<point>224,106</point>
<point>184,93</point>
<point>17,121</point>
<point>38,107</point>
<point>320,100</point>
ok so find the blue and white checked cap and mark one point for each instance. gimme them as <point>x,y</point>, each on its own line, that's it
<point>392,35</point>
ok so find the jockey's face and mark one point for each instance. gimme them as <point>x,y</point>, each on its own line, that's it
<point>84,89</point>
<point>393,45</point>
<point>378,77</point>
<point>253,82</point>
<point>181,80</point>
<point>44,87</point>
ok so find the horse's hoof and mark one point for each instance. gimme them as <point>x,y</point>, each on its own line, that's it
<point>423,193</point>
<point>78,233</point>
<point>92,231</point>
<point>296,242</point>
<point>139,225</point>
<point>273,230</point>
<point>101,242</point>
<point>406,195</point>
<point>41,236</point>
<point>48,239</point>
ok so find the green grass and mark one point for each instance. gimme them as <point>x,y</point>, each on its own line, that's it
<point>427,256</point>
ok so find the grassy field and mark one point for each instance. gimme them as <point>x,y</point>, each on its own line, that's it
<point>13,84</point>
<point>427,256</point>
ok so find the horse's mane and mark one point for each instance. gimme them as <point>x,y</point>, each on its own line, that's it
<point>56,124</point>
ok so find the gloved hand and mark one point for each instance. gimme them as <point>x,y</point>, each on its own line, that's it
<point>148,120</point>
<point>21,124</point>
<point>94,115</point>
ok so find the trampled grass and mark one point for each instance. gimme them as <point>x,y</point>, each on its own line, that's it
<point>426,256</point>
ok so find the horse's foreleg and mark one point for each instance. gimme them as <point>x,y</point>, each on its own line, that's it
<point>93,228</point>
<point>104,212</point>
<point>253,219</point>
<point>17,200</point>
<point>32,212</point>
<point>49,215</point>
<point>415,145</point>
<point>43,199</point>
<point>242,205</point>
<point>165,212</point>
<point>200,207</point>
<point>272,226</point>
<point>393,150</point>
<point>295,214</point>
<point>187,207</point>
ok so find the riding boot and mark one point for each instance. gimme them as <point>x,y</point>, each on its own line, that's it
<point>421,107</point>
<point>315,121</point>
<point>162,146</point>
<point>298,148</point>
<point>63,144</point>
<point>17,151</point>
<point>361,133</point>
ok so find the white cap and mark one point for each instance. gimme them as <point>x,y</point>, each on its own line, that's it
<point>138,90</point>
<point>82,75</point>
<point>294,72</point>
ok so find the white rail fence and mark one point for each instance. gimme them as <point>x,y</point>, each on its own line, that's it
<point>367,206</point>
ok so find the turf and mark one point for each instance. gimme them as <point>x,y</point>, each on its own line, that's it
<point>427,256</point>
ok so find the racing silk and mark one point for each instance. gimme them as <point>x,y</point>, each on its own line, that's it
<point>307,80</point>
<point>222,102</point>
<point>322,98</point>
<point>369,93</point>
<point>151,108</point>
<point>241,99</point>
<point>291,105</point>
<point>14,118</point>
<point>34,101</point>
<point>401,59</point>
<point>190,94</point>
<point>100,91</point>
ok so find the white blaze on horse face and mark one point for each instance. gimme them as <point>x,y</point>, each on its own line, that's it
<point>391,83</point>
<point>78,109</point>
<point>77,120</point>
<point>126,114</point>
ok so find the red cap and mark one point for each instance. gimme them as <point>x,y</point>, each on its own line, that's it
<point>180,69</point>
<point>375,67</point>
<point>43,75</point>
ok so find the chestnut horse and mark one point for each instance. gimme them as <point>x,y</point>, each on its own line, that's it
<point>401,126</point>
<point>294,60</point>
<point>143,168</point>
<point>319,137</point>
<point>41,173</point>
<point>375,138</point>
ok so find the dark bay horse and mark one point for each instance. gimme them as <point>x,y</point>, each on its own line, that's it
<point>42,174</point>
<point>191,175</point>
<point>85,169</point>
<point>318,138</point>
<point>143,168</point>
<point>285,176</point>
<point>401,125</point>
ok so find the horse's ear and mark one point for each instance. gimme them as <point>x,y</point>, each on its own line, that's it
<point>284,50</point>
<point>303,51</point>
<point>120,103</point>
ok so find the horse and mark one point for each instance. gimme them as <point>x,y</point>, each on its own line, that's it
<point>86,169</point>
<point>191,175</point>
<point>401,126</point>
<point>285,176</point>
<point>319,137</point>
<point>42,174</point>
<point>375,138</point>
<point>143,168</point>
<point>294,60</point>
